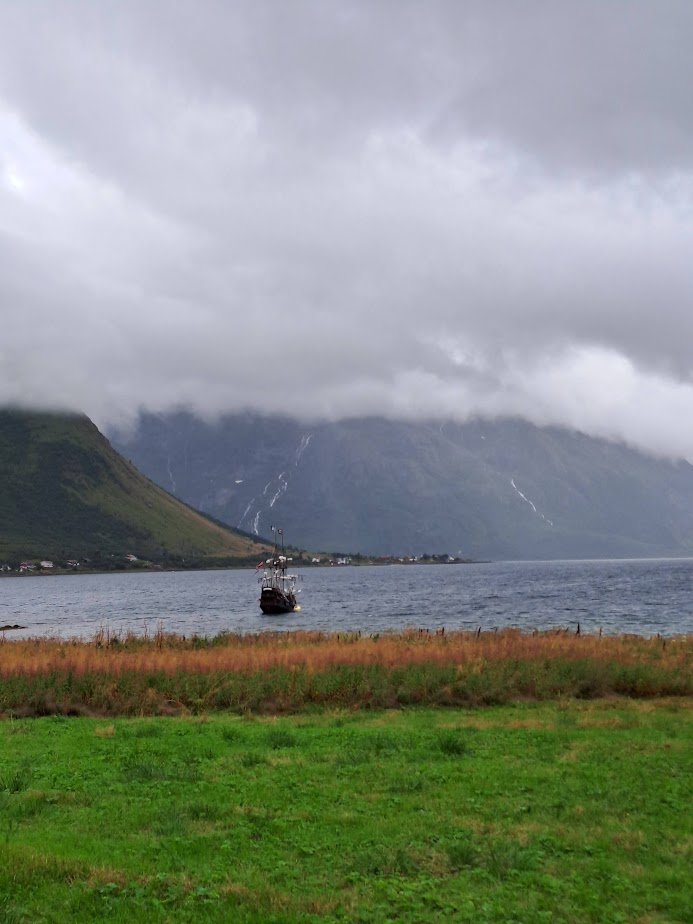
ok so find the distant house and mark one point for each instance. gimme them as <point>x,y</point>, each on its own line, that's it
<point>131,557</point>
<point>72,563</point>
<point>27,566</point>
<point>46,564</point>
<point>5,568</point>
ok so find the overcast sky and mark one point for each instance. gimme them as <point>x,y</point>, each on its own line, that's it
<point>342,208</point>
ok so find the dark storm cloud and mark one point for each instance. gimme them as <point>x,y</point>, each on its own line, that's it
<point>391,207</point>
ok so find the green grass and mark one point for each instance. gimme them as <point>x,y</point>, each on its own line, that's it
<point>563,812</point>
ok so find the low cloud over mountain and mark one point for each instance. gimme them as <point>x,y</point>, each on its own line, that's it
<point>339,209</point>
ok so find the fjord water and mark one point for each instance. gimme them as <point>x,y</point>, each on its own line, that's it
<point>644,597</point>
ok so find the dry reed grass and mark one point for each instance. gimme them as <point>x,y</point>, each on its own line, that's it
<point>317,652</point>
<point>279,672</point>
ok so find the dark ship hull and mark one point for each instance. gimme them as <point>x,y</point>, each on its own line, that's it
<point>274,601</point>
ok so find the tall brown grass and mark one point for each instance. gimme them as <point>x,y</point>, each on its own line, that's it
<point>115,653</point>
<point>126,673</point>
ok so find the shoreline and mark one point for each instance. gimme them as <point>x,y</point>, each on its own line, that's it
<point>154,569</point>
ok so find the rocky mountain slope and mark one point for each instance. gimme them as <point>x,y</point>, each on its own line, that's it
<point>483,489</point>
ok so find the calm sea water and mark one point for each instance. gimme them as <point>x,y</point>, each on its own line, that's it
<point>643,597</point>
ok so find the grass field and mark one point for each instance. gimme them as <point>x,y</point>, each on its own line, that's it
<point>570,811</point>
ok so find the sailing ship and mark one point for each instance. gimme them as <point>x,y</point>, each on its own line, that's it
<point>278,589</point>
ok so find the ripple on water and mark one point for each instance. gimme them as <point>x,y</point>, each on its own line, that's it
<point>629,596</point>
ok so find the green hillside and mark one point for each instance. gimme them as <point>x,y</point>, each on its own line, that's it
<point>65,493</point>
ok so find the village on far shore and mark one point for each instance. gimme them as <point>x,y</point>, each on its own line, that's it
<point>71,564</point>
<point>130,561</point>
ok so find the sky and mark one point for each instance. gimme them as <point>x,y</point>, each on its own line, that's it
<point>409,208</point>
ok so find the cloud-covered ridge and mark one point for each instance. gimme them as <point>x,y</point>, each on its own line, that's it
<point>334,209</point>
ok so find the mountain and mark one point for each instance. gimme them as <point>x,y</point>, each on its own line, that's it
<point>501,489</point>
<point>65,493</point>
